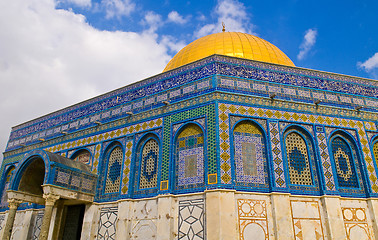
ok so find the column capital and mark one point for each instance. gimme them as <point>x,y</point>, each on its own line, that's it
<point>50,199</point>
<point>14,203</point>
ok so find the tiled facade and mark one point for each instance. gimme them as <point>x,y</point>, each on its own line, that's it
<point>219,123</point>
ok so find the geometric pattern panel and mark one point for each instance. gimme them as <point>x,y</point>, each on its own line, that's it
<point>306,220</point>
<point>279,172</point>
<point>249,148</point>
<point>126,167</point>
<point>298,159</point>
<point>37,225</point>
<point>96,158</point>
<point>344,162</point>
<point>252,219</point>
<point>2,218</point>
<point>144,229</point>
<point>224,110</point>
<point>190,157</point>
<point>114,170</point>
<point>356,224</point>
<point>149,165</point>
<point>191,219</point>
<point>326,161</point>
<point>107,223</point>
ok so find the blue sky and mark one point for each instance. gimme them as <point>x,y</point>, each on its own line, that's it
<point>55,53</point>
<point>345,32</point>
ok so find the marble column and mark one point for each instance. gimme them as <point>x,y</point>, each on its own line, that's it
<point>50,200</point>
<point>13,205</point>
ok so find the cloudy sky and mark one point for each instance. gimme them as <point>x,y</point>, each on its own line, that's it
<point>55,53</point>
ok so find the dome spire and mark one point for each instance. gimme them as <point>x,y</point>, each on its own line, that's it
<point>223,27</point>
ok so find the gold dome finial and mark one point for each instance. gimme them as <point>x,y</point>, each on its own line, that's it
<point>223,27</point>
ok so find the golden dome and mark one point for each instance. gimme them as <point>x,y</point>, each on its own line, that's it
<point>233,44</point>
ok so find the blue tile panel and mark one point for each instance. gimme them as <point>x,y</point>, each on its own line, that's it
<point>72,179</point>
<point>276,151</point>
<point>249,156</point>
<point>190,158</point>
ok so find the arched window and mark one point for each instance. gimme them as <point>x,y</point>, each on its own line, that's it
<point>113,173</point>
<point>7,179</point>
<point>344,163</point>
<point>83,156</point>
<point>298,157</point>
<point>146,175</point>
<point>190,157</point>
<point>249,155</point>
<point>149,165</point>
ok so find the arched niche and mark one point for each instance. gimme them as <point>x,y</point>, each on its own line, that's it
<point>33,176</point>
<point>82,155</point>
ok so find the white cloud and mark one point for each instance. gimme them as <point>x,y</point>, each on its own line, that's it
<point>172,43</point>
<point>369,64</point>
<point>52,58</point>
<point>153,21</point>
<point>117,8</point>
<point>233,13</point>
<point>307,44</point>
<point>176,18</point>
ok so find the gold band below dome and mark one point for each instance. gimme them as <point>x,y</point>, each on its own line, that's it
<point>234,44</point>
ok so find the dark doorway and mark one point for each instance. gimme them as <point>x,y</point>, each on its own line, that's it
<point>73,221</point>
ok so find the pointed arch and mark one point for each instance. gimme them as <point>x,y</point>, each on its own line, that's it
<point>82,155</point>
<point>190,157</point>
<point>146,169</point>
<point>301,159</point>
<point>344,156</point>
<point>113,159</point>
<point>298,159</point>
<point>250,157</point>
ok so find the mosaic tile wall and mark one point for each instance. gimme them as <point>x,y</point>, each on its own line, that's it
<point>72,179</point>
<point>191,219</point>
<point>88,112</point>
<point>252,219</point>
<point>126,167</point>
<point>325,159</point>
<point>6,181</point>
<point>249,155</point>
<point>208,112</point>
<point>225,111</point>
<point>189,172</point>
<point>276,151</point>
<point>107,223</point>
